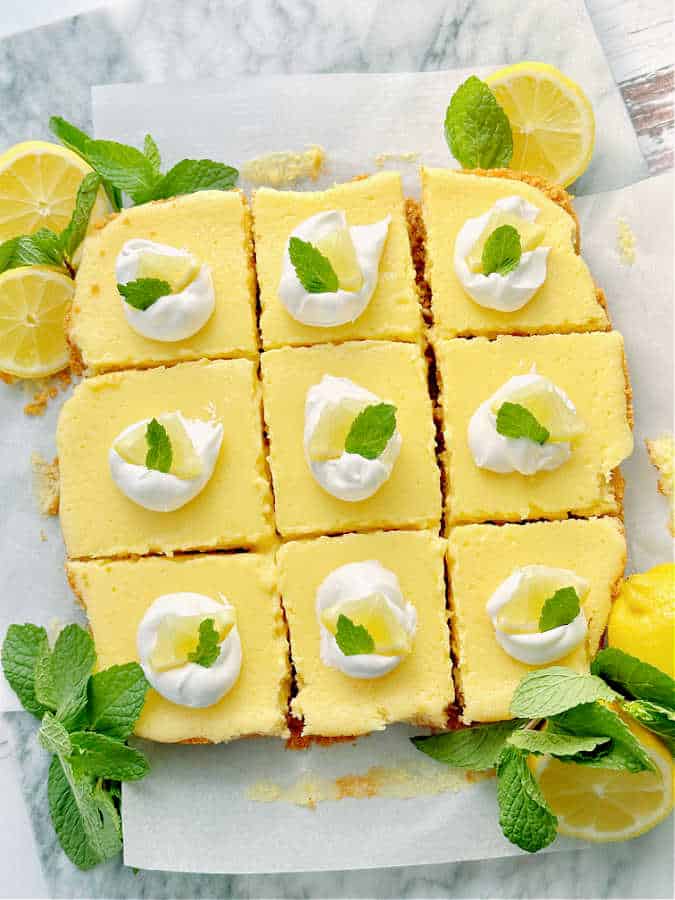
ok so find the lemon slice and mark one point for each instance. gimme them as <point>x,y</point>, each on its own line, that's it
<point>520,614</point>
<point>531,235</point>
<point>338,247</point>
<point>374,614</point>
<point>178,636</point>
<point>608,804</point>
<point>551,120</point>
<point>33,305</point>
<point>38,187</point>
<point>549,409</point>
<point>185,461</point>
<point>179,271</point>
<point>641,622</point>
<point>330,434</point>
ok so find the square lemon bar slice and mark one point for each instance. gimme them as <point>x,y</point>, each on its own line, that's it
<point>234,508</point>
<point>396,373</point>
<point>567,301</point>
<point>214,227</point>
<point>393,312</point>
<point>481,557</point>
<point>117,594</point>
<point>590,369</point>
<point>420,688</point>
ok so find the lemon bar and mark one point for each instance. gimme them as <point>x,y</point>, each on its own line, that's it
<point>116,595</point>
<point>393,312</point>
<point>214,227</point>
<point>395,372</point>
<point>590,369</point>
<point>420,688</point>
<point>234,509</point>
<point>567,301</point>
<point>481,557</point>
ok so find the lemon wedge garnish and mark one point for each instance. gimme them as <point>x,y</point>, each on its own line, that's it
<point>549,409</point>
<point>520,614</point>
<point>641,622</point>
<point>330,434</point>
<point>185,461</point>
<point>179,271</point>
<point>339,249</point>
<point>551,120</point>
<point>531,235</point>
<point>178,636</point>
<point>608,804</point>
<point>375,615</point>
<point>33,305</point>
<point>38,187</point>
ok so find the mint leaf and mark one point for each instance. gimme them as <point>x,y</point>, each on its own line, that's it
<point>73,235</point>
<point>160,454</point>
<point>192,175</point>
<point>208,648</point>
<point>546,692</point>
<point>634,678</point>
<point>540,742</point>
<point>502,251</point>
<point>124,166</point>
<point>353,639</point>
<point>475,748</point>
<point>43,248</point>
<point>514,421</point>
<point>21,649</point>
<point>105,757</point>
<point>53,736</point>
<point>44,680</point>
<point>72,661</point>
<point>115,699</point>
<point>372,430</point>
<point>84,816</point>
<point>476,127</point>
<point>7,251</point>
<point>560,609</point>
<point>593,720</point>
<point>314,270</point>
<point>525,817</point>
<point>151,151</point>
<point>143,292</point>
<point>76,139</point>
<point>654,717</point>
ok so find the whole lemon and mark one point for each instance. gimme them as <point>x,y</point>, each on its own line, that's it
<point>641,622</point>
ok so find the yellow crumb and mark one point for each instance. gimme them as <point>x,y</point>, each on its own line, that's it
<point>43,536</point>
<point>46,484</point>
<point>38,405</point>
<point>626,241</point>
<point>286,167</point>
<point>662,455</point>
<point>409,156</point>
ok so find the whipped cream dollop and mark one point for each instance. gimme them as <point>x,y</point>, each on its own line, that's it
<point>538,647</point>
<point>505,293</point>
<point>498,453</point>
<point>190,684</point>
<point>326,310</point>
<point>162,491</point>
<point>354,581</point>
<point>349,477</point>
<point>173,317</point>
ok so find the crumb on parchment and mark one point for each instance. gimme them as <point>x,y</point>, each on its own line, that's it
<point>408,156</point>
<point>41,397</point>
<point>284,168</point>
<point>661,452</point>
<point>45,484</point>
<point>626,241</point>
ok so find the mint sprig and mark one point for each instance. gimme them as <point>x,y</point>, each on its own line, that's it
<point>655,718</point>
<point>314,270</point>
<point>142,293</point>
<point>352,639</point>
<point>634,678</point>
<point>160,452</point>
<point>554,744</point>
<point>515,421</point>
<point>524,815</point>
<point>547,692</point>
<point>208,648</point>
<point>560,609</point>
<point>502,251</point>
<point>475,748</point>
<point>477,129</point>
<point>75,139</point>
<point>85,721</point>
<point>372,430</point>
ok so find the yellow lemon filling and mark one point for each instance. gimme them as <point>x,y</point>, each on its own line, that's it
<point>178,637</point>
<point>330,434</point>
<point>339,249</point>
<point>375,614</point>
<point>549,409</point>
<point>531,235</point>
<point>521,614</point>
<point>178,271</point>
<point>185,461</point>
